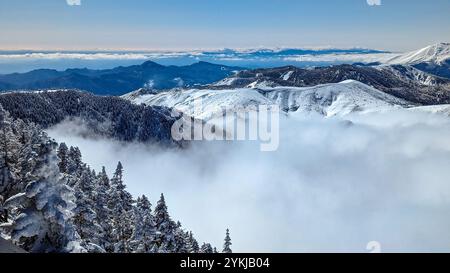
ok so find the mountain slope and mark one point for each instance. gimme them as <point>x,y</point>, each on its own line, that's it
<point>437,54</point>
<point>329,99</point>
<point>333,99</point>
<point>119,80</point>
<point>101,115</point>
<point>434,59</point>
<point>212,101</point>
<point>401,81</point>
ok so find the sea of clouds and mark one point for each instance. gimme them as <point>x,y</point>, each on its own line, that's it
<point>22,61</point>
<point>333,185</point>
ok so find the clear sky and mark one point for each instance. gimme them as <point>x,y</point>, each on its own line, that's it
<point>193,24</point>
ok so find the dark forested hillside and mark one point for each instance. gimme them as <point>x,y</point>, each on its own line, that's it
<point>119,80</point>
<point>103,115</point>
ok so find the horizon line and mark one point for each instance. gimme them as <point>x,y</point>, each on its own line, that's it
<point>197,49</point>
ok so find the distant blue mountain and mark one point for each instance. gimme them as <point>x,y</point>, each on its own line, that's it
<point>23,61</point>
<point>290,52</point>
<point>119,80</point>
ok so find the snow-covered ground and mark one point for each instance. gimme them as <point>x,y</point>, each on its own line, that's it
<point>333,99</point>
<point>336,99</point>
<point>212,101</point>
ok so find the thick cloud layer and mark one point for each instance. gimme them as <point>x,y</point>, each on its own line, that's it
<point>333,185</point>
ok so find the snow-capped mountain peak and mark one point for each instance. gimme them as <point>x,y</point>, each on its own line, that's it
<point>438,54</point>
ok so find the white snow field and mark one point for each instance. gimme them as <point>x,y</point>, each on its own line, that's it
<point>338,99</point>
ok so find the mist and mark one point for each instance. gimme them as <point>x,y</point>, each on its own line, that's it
<point>334,185</point>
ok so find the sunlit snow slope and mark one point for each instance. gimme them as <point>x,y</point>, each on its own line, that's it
<point>436,54</point>
<point>334,99</point>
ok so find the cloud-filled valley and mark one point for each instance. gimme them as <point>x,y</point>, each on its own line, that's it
<point>334,184</point>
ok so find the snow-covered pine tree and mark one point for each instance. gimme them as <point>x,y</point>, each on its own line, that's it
<point>43,211</point>
<point>180,239</point>
<point>85,217</point>
<point>206,248</point>
<point>74,163</point>
<point>227,244</point>
<point>62,153</point>
<point>3,211</point>
<point>101,198</point>
<point>192,244</point>
<point>144,227</point>
<point>9,147</point>
<point>121,206</point>
<point>165,227</point>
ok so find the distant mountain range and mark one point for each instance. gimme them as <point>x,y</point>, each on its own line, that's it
<point>24,61</point>
<point>421,76</point>
<point>120,80</point>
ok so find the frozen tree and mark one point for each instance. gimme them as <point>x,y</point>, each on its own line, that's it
<point>165,227</point>
<point>85,217</point>
<point>121,206</point>
<point>74,163</point>
<point>100,198</point>
<point>191,243</point>
<point>9,147</point>
<point>227,244</point>
<point>62,155</point>
<point>206,248</point>
<point>44,210</point>
<point>144,228</point>
<point>180,239</point>
<point>3,211</point>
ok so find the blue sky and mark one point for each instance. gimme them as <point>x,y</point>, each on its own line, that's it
<point>187,24</point>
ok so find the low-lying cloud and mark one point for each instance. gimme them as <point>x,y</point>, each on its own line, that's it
<point>374,2</point>
<point>333,185</point>
<point>73,2</point>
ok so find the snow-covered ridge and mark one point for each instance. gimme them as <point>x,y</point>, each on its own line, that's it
<point>333,99</point>
<point>212,101</point>
<point>40,91</point>
<point>438,54</point>
<point>410,73</point>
